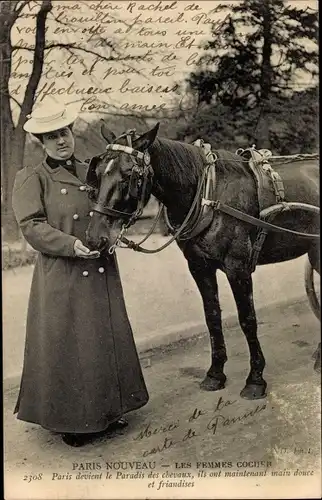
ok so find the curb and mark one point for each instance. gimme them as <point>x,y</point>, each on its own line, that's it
<point>177,336</point>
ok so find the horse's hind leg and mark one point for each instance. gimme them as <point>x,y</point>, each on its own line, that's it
<point>205,278</point>
<point>242,288</point>
<point>314,258</point>
<point>317,357</point>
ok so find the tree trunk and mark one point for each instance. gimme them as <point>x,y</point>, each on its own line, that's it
<point>12,158</point>
<point>7,19</point>
<point>263,139</point>
<point>13,137</point>
<point>262,132</point>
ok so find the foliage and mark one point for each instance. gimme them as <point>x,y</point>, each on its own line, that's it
<point>292,125</point>
<point>256,33</point>
<point>246,76</point>
<point>14,257</point>
<point>14,139</point>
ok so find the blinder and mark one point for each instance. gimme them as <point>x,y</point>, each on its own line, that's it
<point>141,176</point>
<point>140,183</point>
<point>135,183</point>
<point>91,176</point>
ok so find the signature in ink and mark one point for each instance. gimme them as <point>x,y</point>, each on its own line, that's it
<point>226,421</point>
<point>149,430</point>
<point>216,421</point>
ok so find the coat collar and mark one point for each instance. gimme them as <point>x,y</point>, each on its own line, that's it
<point>60,174</point>
<point>69,164</point>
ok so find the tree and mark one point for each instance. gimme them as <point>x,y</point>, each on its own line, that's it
<point>13,137</point>
<point>253,60</point>
<point>294,123</point>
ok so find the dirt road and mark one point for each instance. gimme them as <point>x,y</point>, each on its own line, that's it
<point>217,444</point>
<point>161,298</point>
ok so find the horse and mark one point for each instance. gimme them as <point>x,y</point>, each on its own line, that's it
<point>124,176</point>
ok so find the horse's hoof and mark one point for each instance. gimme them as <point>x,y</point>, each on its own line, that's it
<point>212,384</point>
<point>315,354</point>
<point>254,391</point>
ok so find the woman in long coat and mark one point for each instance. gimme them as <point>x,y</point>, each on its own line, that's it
<point>81,370</point>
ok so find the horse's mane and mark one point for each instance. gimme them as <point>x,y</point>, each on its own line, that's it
<point>185,161</point>
<point>188,161</point>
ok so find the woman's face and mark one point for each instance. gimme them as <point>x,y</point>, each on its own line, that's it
<point>59,144</point>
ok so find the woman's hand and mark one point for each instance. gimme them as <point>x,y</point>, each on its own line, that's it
<point>84,252</point>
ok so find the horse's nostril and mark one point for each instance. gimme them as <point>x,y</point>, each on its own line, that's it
<point>91,243</point>
<point>102,243</point>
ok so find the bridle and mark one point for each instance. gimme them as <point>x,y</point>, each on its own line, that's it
<point>139,189</point>
<point>141,174</point>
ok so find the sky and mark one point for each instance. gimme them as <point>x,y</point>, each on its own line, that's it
<point>180,27</point>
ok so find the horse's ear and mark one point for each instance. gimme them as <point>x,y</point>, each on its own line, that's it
<point>146,140</point>
<point>107,134</point>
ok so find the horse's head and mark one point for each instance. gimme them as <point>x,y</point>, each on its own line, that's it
<point>122,178</point>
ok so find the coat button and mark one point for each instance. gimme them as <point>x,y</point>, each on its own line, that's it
<point>101,270</point>
<point>85,273</point>
<point>91,214</point>
<point>75,216</point>
<point>82,188</point>
<point>63,191</point>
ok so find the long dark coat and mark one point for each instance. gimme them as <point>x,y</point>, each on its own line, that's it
<point>81,368</point>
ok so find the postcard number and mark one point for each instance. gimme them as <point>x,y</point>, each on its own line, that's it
<point>32,477</point>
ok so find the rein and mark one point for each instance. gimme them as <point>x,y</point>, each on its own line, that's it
<point>145,170</point>
<point>136,246</point>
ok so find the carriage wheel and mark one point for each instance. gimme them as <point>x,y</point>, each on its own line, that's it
<point>311,289</point>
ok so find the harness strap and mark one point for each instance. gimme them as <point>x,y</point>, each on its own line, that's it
<point>279,160</point>
<point>129,134</point>
<point>101,209</point>
<point>258,162</point>
<point>130,151</point>
<point>256,249</point>
<point>152,228</point>
<point>217,205</point>
<point>198,221</point>
<point>125,149</point>
<point>193,216</point>
<point>136,246</point>
<point>194,225</point>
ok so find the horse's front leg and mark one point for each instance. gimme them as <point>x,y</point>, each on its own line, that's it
<point>205,278</point>
<point>242,287</point>
<point>317,356</point>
